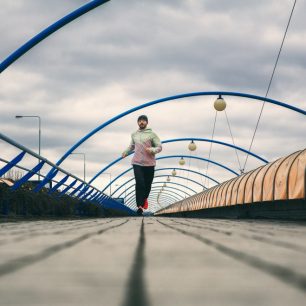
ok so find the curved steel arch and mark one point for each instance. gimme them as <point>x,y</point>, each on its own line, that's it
<point>182,139</point>
<point>171,183</point>
<point>184,178</point>
<point>170,187</point>
<point>166,188</point>
<point>170,98</point>
<point>163,198</point>
<point>217,142</point>
<point>131,199</point>
<point>175,156</point>
<point>48,31</point>
<point>177,176</point>
<point>155,189</point>
<point>132,193</point>
<point>161,169</point>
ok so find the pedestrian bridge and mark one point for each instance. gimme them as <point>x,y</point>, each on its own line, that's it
<point>206,240</point>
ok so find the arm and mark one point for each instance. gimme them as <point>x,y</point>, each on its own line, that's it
<point>156,145</point>
<point>130,148</point>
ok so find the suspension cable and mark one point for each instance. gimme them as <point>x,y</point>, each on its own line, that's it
<point>210,149</point>
<point>200,171</point>
<point>270,82</point>
<point>187,179</point>
<point>236,151</point>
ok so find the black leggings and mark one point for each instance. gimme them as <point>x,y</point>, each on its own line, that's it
<point>144,177</point>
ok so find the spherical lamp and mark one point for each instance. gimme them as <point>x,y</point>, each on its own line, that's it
<point>182,161</point>
<point>192,146</point>
<point>173,172</point>
<point>220,104</point>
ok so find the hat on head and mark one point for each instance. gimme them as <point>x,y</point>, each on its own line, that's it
<point>143,117</point>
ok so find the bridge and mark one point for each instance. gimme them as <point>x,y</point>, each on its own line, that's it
<point>225,224</point>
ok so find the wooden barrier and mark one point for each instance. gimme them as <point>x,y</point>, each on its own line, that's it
<point>278,181</point>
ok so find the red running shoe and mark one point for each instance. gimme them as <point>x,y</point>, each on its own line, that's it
<point>145,204</point>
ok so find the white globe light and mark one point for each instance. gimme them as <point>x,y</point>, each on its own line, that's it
<point>168,179</point>
<point>182,161</point>
<point>173,172</point>
<point>220,104</point>
<point>192,146</point>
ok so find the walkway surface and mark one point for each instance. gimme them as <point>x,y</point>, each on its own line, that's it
<point>153,261</point>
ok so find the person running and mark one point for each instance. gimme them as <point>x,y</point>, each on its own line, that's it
<point>146,144</point>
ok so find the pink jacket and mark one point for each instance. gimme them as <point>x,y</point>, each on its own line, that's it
<point>142,139</point>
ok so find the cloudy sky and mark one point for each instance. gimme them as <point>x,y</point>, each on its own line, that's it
<point>126,53</point>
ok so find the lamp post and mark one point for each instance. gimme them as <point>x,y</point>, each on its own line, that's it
<point>84,160</point>
<point>39,133</point>
<point>110,181</point>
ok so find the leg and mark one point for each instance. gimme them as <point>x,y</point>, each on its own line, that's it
<point>148,177</point>
<point>140,184</point>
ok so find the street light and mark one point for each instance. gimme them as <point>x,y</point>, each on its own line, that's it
<point>110,182</point>
<point>39,133</point>
<point>84,159</point>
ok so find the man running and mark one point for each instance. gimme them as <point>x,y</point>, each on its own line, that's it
<point>146,144</point>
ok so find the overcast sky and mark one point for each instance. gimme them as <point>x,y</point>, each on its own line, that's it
<point>126,53</point>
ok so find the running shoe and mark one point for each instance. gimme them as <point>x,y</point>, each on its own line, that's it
<point>145,204</point>
<point>140,211</point>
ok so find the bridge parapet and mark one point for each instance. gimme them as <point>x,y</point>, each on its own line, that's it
<point>275,186</point>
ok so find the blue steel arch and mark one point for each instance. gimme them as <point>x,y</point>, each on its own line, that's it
<point>175,156</point>
<point>176,196</point>
<point>48,31</point>
<point>162,169</point>
<point>162,199</point>
<point>182,139</point>
<point>163,157</point>
<point>131,200</point>
<point>154,186</point>
<point>217,142</point>
<point>160,182</point>
<point>200,158</point>
<point>170,98</point>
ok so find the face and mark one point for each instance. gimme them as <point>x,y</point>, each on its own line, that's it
<point>142,124</point>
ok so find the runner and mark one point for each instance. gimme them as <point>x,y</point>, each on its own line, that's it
<point>146,144</point>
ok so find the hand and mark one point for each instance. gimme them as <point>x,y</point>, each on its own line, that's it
<point>148,150</point>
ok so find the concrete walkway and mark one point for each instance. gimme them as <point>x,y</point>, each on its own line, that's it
<point>153,261</point>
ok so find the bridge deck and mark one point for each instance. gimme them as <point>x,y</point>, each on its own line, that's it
<point>153,261</point>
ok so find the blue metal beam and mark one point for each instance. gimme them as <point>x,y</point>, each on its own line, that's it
<point>200,158</point>
<point>184,139</point>
<point>162,169</point>
<point>175,156</point>
<point>171,183</point>
<point>12,163</point>
<point>131,200</point>
<point>171,98</point>
<point>26,177</point>
<point>48,31</point>
<point>177,176</point>
<point>217,142</point>
<point>154,188</point>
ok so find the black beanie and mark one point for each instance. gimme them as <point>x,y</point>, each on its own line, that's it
<point>143,117</point>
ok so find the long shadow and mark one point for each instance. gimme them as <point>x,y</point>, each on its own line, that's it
<point>284,274</point>
<point>22,262</point>
<point>136,294</point>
